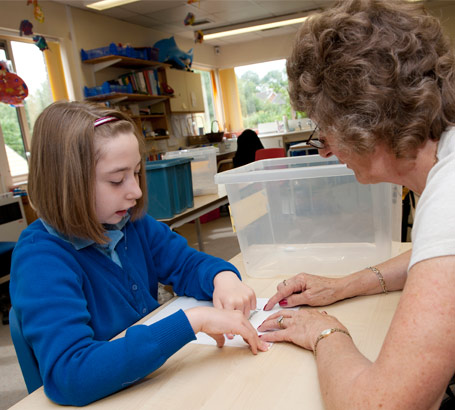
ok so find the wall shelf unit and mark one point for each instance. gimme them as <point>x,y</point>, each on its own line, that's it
<point>151,123</point>
<point>101,63</point>
<point>128,97</point>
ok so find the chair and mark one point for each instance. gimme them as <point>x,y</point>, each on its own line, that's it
<point>224,165</point>
<point>25,355</point>
<point>6,250</point>
<point>266,153</point>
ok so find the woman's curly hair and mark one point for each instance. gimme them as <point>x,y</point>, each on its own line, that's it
<point>374,70</point>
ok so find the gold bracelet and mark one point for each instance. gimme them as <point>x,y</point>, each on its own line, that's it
<point>325,333</point>
<point>380,277</point>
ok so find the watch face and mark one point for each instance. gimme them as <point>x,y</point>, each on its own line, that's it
<point>326,332</point>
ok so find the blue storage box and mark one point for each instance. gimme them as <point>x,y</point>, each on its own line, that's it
<point>111,49</point>
<point>169,186</point>
<point>147,53</point>
<point>107,88</point>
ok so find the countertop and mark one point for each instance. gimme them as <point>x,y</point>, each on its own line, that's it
<point>304,130</point>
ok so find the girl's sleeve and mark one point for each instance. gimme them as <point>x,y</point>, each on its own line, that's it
<point>77,369</point>
<point>189,271</point>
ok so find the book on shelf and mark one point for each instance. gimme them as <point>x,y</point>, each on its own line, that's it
<point>143,82</point>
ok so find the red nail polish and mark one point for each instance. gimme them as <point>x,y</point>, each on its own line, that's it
<point>283,302</point>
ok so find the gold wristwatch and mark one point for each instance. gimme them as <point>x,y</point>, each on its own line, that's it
<point>328,332</point>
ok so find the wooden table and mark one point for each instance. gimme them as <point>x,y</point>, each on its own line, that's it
<point>202,205</point>
<point>205,377</point>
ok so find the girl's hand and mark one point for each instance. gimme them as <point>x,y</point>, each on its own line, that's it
<point>301,327</point>
<point>231,294</point>
<point>306,289</point>
<point>216,322</point>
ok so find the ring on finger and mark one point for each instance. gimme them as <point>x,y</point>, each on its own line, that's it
<point>280,322</point>
<point>284,282</point>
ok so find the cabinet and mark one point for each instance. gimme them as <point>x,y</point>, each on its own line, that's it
<point>154,124</point>
<point>187,86</point>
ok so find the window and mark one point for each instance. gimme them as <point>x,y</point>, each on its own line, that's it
<point>263,93</point>
<point>28,62</point>
<point>209,99</point>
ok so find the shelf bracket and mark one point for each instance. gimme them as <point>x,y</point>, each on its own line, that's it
<point>101,66</point>
<point>118,99</point>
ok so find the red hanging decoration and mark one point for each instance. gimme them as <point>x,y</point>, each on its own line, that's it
<point>13,89</point>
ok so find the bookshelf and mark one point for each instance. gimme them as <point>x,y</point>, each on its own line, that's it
<point>145,94</point>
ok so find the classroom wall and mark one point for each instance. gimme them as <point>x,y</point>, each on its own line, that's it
<point>93,31</point>
<point>279,47</point>
<point>446,14</point>
<point>77,28</point>
<point>257,51</point>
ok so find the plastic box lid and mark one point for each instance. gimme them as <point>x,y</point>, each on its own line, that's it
<point>287,168</point>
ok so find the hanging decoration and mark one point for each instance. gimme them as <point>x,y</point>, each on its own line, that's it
<point>198,36</point>
<point>25,28</point>
<point>189,19</point>
<point>37,11</point>
<point>41,42</point>
<point>13,89</point>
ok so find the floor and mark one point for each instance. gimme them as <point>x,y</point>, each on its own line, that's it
<point>219,240</point>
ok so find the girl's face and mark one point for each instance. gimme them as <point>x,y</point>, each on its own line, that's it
<point>117,177</point>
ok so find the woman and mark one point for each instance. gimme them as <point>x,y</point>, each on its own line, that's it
<point>378,78</point>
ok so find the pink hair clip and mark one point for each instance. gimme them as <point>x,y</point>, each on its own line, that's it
<point>104,120</point>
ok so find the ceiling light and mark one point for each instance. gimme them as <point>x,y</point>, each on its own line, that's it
<point>107,4</point>
<point>249,29</point>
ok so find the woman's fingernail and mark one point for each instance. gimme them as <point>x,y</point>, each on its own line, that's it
<point>283,302</point>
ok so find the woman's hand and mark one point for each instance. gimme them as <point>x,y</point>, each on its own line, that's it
<point>306,289</point>
<point>217,322</point>
<point>301,327</point>
<point>231,294</point>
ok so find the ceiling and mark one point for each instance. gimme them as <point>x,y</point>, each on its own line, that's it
<point>168,16</point>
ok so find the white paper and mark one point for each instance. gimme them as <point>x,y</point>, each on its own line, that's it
<point>256,318</point>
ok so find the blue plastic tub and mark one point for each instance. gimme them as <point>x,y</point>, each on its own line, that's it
<point>111,49</point>
<point>107,88</point>
<point>169,186</point>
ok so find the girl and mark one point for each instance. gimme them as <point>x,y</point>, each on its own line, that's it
<point>90,266</point>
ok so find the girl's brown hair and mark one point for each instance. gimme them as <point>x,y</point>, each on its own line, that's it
<point>373,70</point>
<point>61,181</point>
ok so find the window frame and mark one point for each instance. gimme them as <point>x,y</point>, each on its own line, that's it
<point>215,95</point>
<point>8,180</point>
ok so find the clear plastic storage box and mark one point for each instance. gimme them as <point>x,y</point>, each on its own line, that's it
<point>203,168</point>
<point>309,214</point>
